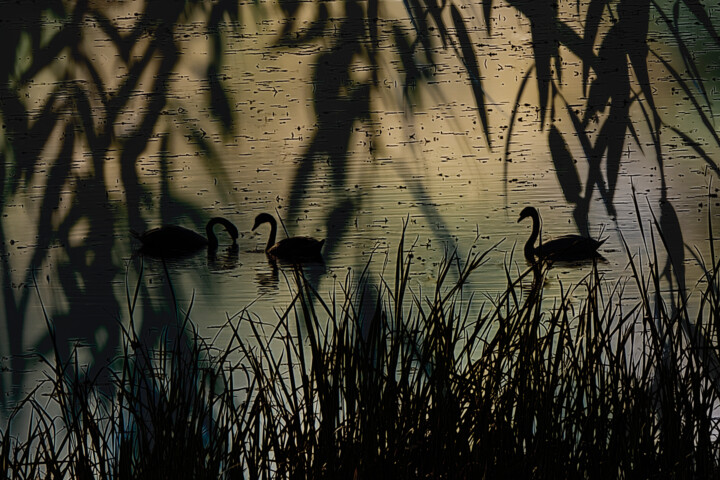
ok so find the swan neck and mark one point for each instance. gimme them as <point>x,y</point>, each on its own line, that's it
<point>273,232</point>
<point>212,239</point>
<point>530,244</point>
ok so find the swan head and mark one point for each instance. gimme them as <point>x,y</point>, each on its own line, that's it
<point>527,212</point>
<point>263,218</point>
<point>227,224</point>
<point>233,231</point>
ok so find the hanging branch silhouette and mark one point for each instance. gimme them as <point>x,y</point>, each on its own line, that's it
<point>83,109</point>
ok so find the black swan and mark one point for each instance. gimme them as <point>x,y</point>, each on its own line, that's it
<point>293,248</point>
<point>173,240</point>
<point>567,247</point>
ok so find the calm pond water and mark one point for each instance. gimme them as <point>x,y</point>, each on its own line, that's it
<point>309,144</point>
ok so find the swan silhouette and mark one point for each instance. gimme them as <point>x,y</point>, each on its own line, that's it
<point>173,240</point>
<point>293,248</point>
<point>567,247</point>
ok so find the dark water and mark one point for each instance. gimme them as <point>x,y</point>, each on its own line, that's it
<point>344,138</point>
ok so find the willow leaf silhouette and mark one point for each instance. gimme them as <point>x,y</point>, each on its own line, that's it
<point>339,220</point>
<point>436,13</point>
<point>487,12</point>
<point>594,177</point>
<point>612,82</point>
<point>219,100</point>
<point>46,55</point>
<point>58,175</point>
<point>511,125</point>
<point>372,13</point>
<point>220,105</point>
<point>28,139</point>
<point>513,113</point>
<point>543,23</point>
<point>3,175</point>
<point>157,16</point>
<point>224,8</point>
<point>570,39</point>
<point>685,53</point>
<point>612,138</point>
<point>171,207</point>
<point>119,99</point>
<point>633,130</point>
<point>471,65</point>
<point>673,240</point>
<point>612,75</point>
<point>564,166</point>
<point>592,22</point>
<point>122,44</point>
<point>84,111</point>
<point>97,81</point>
<point>289,9</point>
<point>13,317</point>
<point>700,13</point>
<point>315,30</point>
<point>683,84</point>
<point>418,18</point>
<point>655,135</point>
<point>698,149</point>
<point>412,72</point>
<point>59,172</point>
<point>337,108</point>
<point>150,18</point>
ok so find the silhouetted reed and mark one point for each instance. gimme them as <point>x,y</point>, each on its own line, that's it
<point>402,385</point>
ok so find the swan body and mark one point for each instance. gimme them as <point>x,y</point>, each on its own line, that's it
<point>293,248</point>
<point>173,240</point>
<point>567,247</point>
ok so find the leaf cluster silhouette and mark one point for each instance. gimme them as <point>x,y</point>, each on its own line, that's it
<point>83,111</point>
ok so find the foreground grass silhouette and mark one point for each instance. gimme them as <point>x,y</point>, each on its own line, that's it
<point>414,388</point>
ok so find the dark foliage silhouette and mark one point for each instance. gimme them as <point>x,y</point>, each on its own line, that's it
<point>83,112</point>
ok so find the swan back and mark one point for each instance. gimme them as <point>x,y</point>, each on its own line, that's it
<point>569,248</point>
<point>176,241</point>
<point>297,248</point>
<point>171,240</point>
